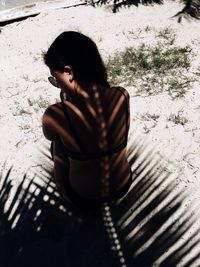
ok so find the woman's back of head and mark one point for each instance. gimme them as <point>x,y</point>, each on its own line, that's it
<point>81,54</point>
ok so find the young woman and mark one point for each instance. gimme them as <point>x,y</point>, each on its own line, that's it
<point>89,127</point>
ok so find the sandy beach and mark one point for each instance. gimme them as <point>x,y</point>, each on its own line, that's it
<point>25,91</point>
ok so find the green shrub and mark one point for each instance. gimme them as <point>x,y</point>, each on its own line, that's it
<point>151,69</point>
<point>177,119</point>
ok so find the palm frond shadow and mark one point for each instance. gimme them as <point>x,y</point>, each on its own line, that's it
<point>118,4</point>
<point>190,10</point>
<point>38,228</point>
<point>191,7</point>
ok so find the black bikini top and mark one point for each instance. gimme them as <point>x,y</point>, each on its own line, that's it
<point>84,155</point>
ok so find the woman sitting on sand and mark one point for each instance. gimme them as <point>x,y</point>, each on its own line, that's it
<point>89,127</point>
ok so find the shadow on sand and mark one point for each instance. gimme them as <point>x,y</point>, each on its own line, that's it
<point>37,228</point>
<point>191,8</point>
<point>117,4</point>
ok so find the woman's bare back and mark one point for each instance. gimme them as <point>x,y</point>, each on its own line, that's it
<point>94,139</point>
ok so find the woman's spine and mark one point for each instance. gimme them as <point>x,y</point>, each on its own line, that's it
<point>103,144</point>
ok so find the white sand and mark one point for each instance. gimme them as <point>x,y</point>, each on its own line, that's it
<point>25,91</point>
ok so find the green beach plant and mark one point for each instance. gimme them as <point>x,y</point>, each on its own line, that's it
<point>147,28</point>
<point>39,103</point>
<point>177,119</point>
<point>42,102</point>
<point>167,35</point>
<point>152,69</point>
<point>149,117</point>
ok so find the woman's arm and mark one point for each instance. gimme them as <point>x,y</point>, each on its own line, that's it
<point>128,108</point>
<point>49,122</point>
<point>127,97</point>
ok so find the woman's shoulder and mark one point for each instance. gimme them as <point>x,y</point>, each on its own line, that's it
<point>53,108</point>
<point>122,90</point>
<point>54,112</point>
<point>50,121</point>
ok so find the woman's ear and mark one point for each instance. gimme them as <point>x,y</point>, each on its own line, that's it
<point>69,72</point>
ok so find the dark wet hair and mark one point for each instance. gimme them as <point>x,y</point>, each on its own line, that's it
<point>81,54</point>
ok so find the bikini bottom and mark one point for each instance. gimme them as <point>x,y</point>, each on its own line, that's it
<point>84,203</point>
